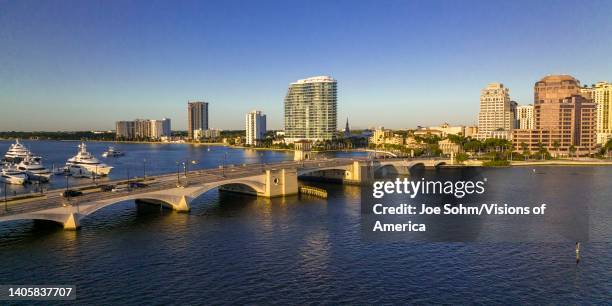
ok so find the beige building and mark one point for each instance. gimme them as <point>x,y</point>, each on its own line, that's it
<point>471,131</point>
<point>563,118</point>
<point>602,96</point>
<point>524,117</point>
<point>449,147</point>
<point>379,135</point>
<point>496,112</point>
<point>425,132</point>
<point>447,129</point>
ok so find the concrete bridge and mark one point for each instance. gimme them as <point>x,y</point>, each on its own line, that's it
<point>177,192</point>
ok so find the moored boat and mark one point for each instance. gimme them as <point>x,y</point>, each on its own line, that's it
<point>89,165</point>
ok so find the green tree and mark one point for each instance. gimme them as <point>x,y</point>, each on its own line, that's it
<point>556,145</point>
<point>572,150</point>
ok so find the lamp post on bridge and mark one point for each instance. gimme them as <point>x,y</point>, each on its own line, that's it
<point>5,199</point>
<point>223,164</point>
<point>178,175</point>
<point>144,169</point>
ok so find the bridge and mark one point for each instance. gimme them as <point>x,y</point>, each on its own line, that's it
<point>177,191</point>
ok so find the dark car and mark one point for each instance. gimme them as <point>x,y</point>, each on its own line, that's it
<point>71,193</point>
<point>137,185</point>
<point>107,188</point>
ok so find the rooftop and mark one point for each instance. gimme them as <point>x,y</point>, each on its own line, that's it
<point>316,79</point>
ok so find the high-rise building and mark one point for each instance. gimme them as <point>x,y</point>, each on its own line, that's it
<point>602,96</point>
<point>157,129</point>
<point>255,127</point>
<point>143,129</point>
<point>124,129</point>
<point>166,127</point>
<point>311,109</point>
<point>197,117</point>
<point>524,117</point>
<point>564,120</point>
<point>496,116</point>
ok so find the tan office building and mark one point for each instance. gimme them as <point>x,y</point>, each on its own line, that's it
<point>602,96</point>
<point>496,116</point>
<point>563,118</point>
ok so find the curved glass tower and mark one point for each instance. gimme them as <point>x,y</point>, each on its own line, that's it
<point>311,109</point>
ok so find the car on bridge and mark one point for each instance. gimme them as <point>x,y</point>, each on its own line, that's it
<point>107,188</point>
<point>137,185</point>
<point>71,193</point>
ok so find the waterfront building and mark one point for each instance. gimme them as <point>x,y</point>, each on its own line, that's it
<point>124,129</point>
<point>143,129</point>
<point>564,120</point>
<point>496,116</point>
<point>524,117</point>
<point>311,109</point>
<point>206,134</point>
<point>166,127</point>
<point>602,96</point>
<point>197,117</point>
<point>255,127</point>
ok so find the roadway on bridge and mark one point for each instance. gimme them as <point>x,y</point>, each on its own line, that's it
<point>53,198</point>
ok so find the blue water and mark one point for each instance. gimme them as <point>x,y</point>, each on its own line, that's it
<point>236,249</point>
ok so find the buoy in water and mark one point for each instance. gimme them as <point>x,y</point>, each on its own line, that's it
<point>577,252</point>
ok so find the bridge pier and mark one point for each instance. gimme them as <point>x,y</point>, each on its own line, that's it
<point>72,223</point>
<point>183,205</point>
<point>281,182</point>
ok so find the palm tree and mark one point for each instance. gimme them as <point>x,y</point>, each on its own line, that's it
<point>572,149</point>
<point>525,149</point>
<point>556,145</point>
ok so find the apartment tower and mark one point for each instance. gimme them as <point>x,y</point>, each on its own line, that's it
<point>197,117</point>
<point>311,109</point>
<point>524,117</point>
<point>255,127</point>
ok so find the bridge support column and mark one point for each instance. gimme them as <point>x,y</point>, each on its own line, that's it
<point>354,174</point>
<point>183,205</point>
<point>72,223</point>
<point>281,182</point>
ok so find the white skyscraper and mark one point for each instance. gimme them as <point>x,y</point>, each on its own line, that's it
<point>255,127</point>
<point>496,116</point>
<point>524,117</point>
<point>311,109</point>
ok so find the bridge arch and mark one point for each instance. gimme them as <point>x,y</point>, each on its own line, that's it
<point>247,185</point>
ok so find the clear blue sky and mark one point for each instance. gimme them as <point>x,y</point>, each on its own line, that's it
<point>81,65</point>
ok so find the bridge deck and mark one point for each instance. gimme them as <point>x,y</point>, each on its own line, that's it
<point>53,198</point>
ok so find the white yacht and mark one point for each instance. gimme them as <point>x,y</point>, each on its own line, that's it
<point>34,169</point>
<point>10,175</point>
<point>112,152</point>
<point>16,152</point>
<point>76,170</point>
<point>88,164</point>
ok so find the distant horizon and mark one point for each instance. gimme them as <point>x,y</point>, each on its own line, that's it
<point>82,66</point>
